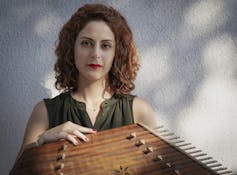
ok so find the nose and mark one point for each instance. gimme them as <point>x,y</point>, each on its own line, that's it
<point>96,52</point>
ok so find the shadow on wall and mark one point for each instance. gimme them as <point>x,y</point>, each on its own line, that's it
<point>174,69</point>
<point>28,32</point>
<point>190,77</point>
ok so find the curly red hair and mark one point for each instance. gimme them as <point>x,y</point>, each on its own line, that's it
<point>125,65</point>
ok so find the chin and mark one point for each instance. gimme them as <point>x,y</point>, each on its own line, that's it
<point>95,78</point>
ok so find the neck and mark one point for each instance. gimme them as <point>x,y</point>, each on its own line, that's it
<point>92,92</point>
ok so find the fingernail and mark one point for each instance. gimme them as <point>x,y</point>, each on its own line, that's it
<point>86,139</point>
<point>94,130</point>
<point>76,143</point>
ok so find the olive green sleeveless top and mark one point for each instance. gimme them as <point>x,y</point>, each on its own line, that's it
<point>115,112</point>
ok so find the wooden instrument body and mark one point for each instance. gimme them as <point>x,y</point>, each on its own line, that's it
<point>110,152</point>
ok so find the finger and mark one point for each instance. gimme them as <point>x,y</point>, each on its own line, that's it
<point>67,136</point>
<point>72,139</point>
<point>84,129</point>
<point>80,135</point>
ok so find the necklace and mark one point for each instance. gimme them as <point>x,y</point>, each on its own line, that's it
<point>95,109</point>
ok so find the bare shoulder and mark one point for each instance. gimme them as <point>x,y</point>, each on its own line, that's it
<point>39,113</point>
<point>144,113</point>
<point>39,107</point>
<point>37,123</point>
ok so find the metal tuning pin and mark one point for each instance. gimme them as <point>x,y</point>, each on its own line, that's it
<point>159,127</point>
<point>219,169</point>
<point>148,150</point>
<point>185,149</point>
<point>184,144</point>
<point>210,162</point>
<point>59,167</point>
<point>163,131</point>
<point>203,159</point>
<point>61,156</point>
<point>62,147</point>
<point>195,151</point>
<point>226,172</point>
<point>199,155</point>
<point>173,138</point>
<point>178,141</point>
<point>214,165</point>
<point>132,135</point>
<point>140,142</point>
<point>166,135</point>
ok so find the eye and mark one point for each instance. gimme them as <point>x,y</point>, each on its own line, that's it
<point>106,46</point>
<point>86,43</point>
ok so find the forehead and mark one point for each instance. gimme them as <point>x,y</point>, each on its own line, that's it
<point>97,30</point>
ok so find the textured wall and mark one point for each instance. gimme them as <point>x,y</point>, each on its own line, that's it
<point>188,52</point>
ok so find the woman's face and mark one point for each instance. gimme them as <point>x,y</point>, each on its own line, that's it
<point>94,51</point>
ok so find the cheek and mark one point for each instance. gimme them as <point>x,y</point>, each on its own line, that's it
<point>109,63</point>
<point>110,58</point>
<point>80,56</point>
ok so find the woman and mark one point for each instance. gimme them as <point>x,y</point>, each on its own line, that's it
<point>96,66</point>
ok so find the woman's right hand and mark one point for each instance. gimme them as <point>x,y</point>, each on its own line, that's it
<point>68,131</point>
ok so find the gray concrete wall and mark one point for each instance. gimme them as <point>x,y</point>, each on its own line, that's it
<point>188,54</point>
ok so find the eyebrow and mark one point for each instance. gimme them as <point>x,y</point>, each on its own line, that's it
<point>85,37</point>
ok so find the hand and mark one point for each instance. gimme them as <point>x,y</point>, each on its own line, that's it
<point>68,131</point>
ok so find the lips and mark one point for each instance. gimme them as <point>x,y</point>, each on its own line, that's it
<point>95,66</point>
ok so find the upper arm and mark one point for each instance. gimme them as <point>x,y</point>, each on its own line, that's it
<point>37,124</point>
<point>143,113</point>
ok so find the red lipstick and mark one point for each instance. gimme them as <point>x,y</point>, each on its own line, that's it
<point>95,66</point>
